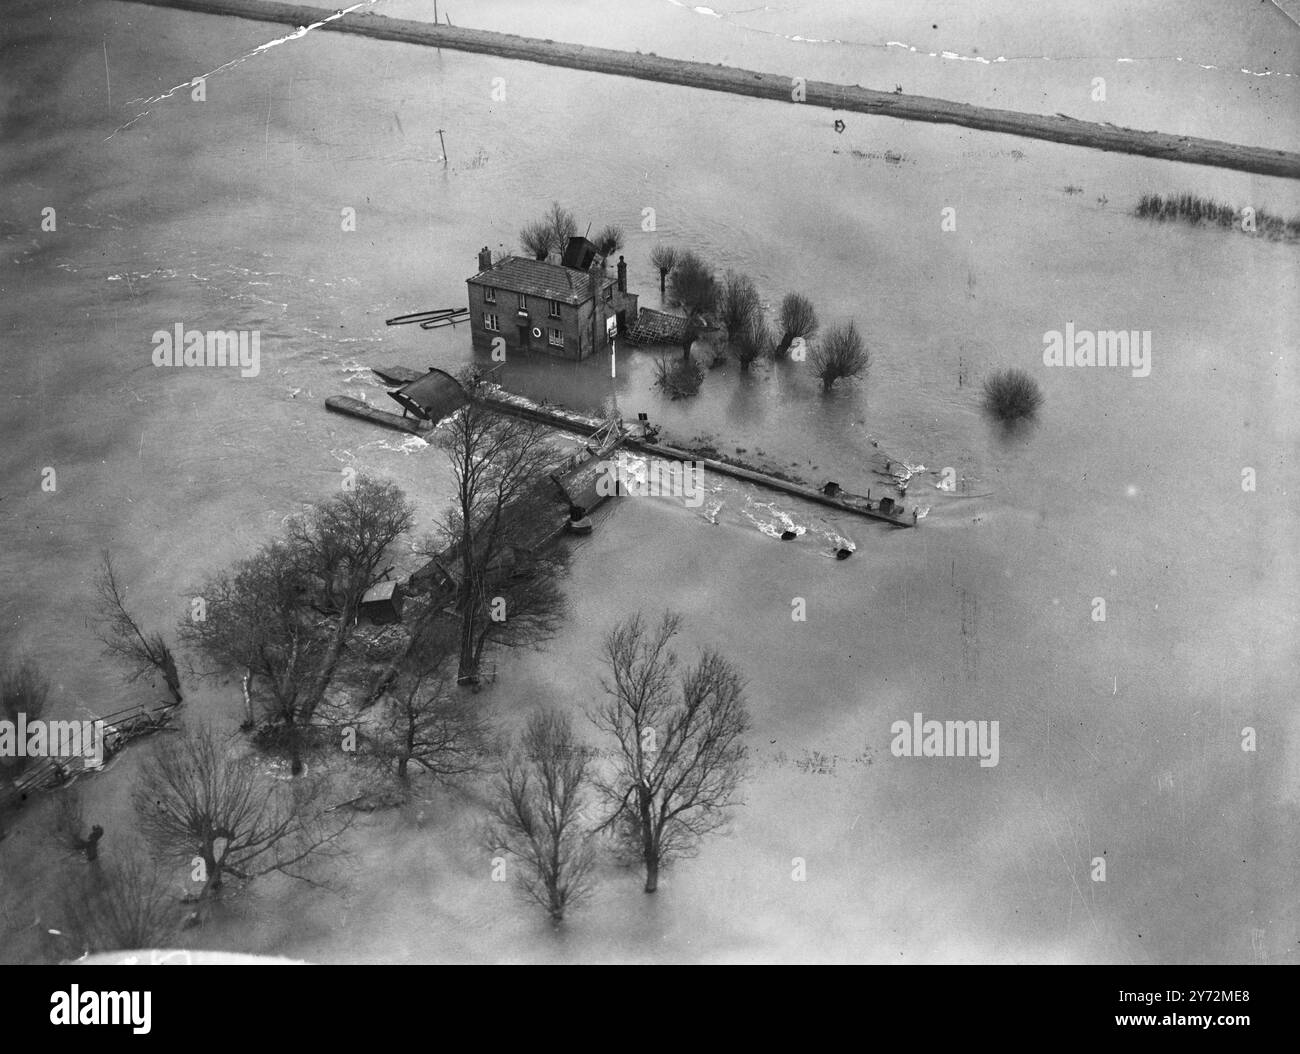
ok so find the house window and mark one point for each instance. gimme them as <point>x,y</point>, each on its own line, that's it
<point>523,302</point>
<point>556,339</point>
<point>491,322</point>
<point>490,295</point>
<point>609,293</point>
<point>555,309</point>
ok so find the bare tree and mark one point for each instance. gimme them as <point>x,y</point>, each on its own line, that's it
<point>679,739</point>
<point>23,690</point>
<point>680,378</point>
<point>537,239</point>
<point>751,342</point>
<point>562,225</point>
<point>258,621</point>
<point>738,303</point>
<point>503,594</point>
<point>343,542</point>
<point>431,636</point>
<point>124,639</point>
<point>740,313</point>
<point>608,241</point>
<point>124,905</point>
<point>663,258</point>
<point>24,907</point>
<point>540,797</point>
<point>840,353</point>
<point>285,615</point>
<point>429,727</point>
<point>797,318</point>
<point>694,289</point>
<point>197,801</point>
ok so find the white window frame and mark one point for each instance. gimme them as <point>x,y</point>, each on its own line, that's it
<point>555,309</point>
<point>491,322</point>
<point>489,294</point>
<point>555,337</point>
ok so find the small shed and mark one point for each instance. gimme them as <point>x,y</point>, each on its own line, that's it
<point>431,397</point>
<point>382,603</point>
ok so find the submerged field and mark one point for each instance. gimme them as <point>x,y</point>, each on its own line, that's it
<point>1119,739</point>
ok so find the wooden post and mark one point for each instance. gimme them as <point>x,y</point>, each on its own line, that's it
<point>444,146</point>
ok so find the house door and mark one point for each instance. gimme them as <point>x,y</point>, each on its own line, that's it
<point>523,338</point>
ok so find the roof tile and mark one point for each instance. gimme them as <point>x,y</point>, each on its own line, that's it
<point>518,274</point>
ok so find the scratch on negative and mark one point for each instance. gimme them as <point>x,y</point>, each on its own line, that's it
<point>301,31</point>
<point>1285,12</point>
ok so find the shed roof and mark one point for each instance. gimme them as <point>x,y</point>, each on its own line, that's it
<point>433,396</point>
<point>380,592</point>
<point>518,274</point>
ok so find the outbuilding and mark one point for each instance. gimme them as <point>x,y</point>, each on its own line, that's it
<point>431,397</point>
<point>382,603</point>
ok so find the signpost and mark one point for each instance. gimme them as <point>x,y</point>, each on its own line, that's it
<point>611,331</point>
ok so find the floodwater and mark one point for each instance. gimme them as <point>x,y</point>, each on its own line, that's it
<point>1120,740</point>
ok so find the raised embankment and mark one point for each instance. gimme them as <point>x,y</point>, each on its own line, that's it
<point>567,420</point>
<point>1055,128</point>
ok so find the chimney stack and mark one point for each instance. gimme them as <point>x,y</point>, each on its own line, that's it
<point>622,275</point>
<point>484,259</point>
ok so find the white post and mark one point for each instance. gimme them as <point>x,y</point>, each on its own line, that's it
<point>613,387</point>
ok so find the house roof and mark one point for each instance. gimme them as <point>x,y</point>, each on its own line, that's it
<point>518,274</point>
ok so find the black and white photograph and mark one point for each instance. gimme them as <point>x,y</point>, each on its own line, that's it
<point>638,482</point>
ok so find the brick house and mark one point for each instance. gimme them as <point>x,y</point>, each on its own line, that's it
<point>541,307</point>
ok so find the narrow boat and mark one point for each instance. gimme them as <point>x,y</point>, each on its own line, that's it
<point>344,404</point>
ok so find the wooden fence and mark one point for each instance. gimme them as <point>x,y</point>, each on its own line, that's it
<point>52,773</point>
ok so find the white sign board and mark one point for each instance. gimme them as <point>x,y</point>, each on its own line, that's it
<point>611,327</point>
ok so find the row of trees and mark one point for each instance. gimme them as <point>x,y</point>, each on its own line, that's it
<point>207,805</point>
<point>282,618</point>
<point>679,759</point>
<point>204,807</point>
<point>284,622</point>
<point>687,282</point>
